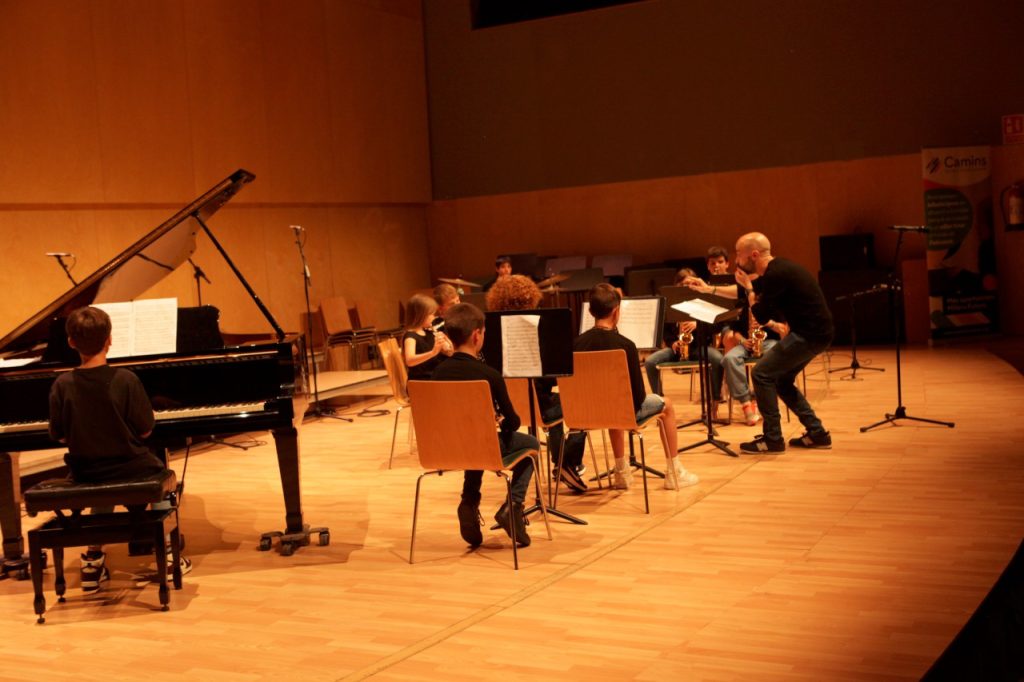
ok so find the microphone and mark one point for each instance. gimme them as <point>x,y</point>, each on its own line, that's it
<point>59,254</point>
<point>910,228</point>
<point>296,228</point>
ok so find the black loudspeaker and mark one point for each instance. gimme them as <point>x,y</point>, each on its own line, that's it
<point>847,252</point>
<point>873,311</point>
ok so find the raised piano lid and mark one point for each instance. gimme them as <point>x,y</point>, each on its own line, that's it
<point>132,272</point>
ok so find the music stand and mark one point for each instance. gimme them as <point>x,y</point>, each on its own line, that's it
<point>896,291</point>
<point>553,337</point>
<point>704,335</point>
<point>854,364</point>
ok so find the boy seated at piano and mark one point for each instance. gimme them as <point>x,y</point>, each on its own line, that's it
<point>103,415</point>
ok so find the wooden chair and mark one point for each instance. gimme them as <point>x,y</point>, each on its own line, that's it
<point>455,430</point>
<point>339,329</point>
<point>75,529</point>
<point>598,396</point>
<point>391,355</point>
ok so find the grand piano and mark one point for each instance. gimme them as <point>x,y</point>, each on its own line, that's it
<point>205,389</point>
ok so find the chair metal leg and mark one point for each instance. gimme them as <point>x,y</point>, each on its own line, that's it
<point>415,512</point>
<point>394,435</point>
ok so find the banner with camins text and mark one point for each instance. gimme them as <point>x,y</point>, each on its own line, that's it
<point>961,249</point>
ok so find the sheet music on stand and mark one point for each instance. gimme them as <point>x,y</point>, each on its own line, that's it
<point>640,320</point>
<point>143,327</point>
<point>529,344</point>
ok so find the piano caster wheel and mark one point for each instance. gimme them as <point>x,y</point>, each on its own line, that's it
<point>325,538</point>
<point>61,600</point>
<point>165,607</point>
<point>304,542</point>
<point>265,544</point>
<point>287,548</point>
<point>40,620</point>
<point>22,573</point>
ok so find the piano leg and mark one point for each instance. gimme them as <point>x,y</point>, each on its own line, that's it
<point>296,533</point>
<point>10,517</point>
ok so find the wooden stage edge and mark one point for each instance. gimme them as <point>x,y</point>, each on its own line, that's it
<point>859,562</point>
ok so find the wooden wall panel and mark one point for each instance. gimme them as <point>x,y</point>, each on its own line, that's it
<point>114,114</point>
<point>48,125</point>
<point>681,217</point>
<point>227,94</point>
<point>142,100</point>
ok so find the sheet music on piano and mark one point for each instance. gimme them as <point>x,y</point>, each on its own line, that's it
<point>146,327</point>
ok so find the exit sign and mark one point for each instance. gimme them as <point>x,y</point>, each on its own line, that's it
<point>1013,129</point>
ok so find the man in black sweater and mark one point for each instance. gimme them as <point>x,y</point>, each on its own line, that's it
<point>464,326</point>
<point>787,296</point>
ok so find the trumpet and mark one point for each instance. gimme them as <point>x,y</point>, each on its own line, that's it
<point>685,339</point>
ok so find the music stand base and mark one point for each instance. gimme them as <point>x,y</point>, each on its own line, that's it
<point>317,411</point>
<point>720,444</point>
<point>635,465</point>
<point>565,516</point>
<point>901,413</point>
<point>855,366</point>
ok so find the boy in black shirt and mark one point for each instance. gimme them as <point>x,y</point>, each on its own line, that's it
<point>464,325</point>
<point>103,414</point>
<point>604,306</point>
<point>786,295</point>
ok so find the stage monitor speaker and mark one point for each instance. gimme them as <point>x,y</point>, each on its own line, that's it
<point>847,251</point>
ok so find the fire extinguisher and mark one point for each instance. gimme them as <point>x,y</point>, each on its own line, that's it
<point>1011,199</point>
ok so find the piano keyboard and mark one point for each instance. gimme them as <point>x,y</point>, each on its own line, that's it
<point>161,415</point>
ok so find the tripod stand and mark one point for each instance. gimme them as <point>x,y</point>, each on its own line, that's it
<point>706,399</point>
<point>536,507</point>
<point>854,365</point>
<point>315,409</point>
<point>896,291</point>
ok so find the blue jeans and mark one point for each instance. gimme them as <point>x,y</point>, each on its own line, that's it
<point>510,444</point>
<point>775,377</point>
<point>669,355</point>
<point>734,364</point>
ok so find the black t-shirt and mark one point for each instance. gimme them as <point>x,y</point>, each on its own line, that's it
<point>607,339</point>
<point>464,367</point>
<point>101,413</point>
<point>424,344</point>
<point>789,293</point>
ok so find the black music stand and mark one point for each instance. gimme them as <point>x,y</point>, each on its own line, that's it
<point>316,409</point>
<point>646,336</point>
<point>554,338</point>
<point>854,364</point>
<point>704,336</point>
<point>896,291</point>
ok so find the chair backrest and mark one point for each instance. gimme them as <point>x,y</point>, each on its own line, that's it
<point>455,426</point>
<point>598,394</point>
<point>334,311</point>
<point>391,355</point>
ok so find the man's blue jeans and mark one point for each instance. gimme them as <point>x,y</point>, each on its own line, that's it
<point>775,377</point>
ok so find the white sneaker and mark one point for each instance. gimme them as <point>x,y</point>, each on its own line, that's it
<point>677,477</point>
<point>622,477</point>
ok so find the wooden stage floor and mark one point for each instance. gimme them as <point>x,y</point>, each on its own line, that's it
<point>860,562</point>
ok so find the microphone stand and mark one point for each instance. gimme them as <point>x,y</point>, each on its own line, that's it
<point>854,365</point>
<point>198,274</point>
<point>316,409</point>
<point>65,268</point>
<point>896,287</point>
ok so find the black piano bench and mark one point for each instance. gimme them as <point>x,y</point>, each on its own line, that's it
<point>71,528</point>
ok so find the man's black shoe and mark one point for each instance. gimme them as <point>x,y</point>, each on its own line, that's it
<point>469,522</point>
<point>821,441</point>
<point>571,478</point>
<point>502,518</point>
<point>760,444</point>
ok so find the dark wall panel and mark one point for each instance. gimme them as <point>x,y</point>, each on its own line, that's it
<point>669,88</point>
